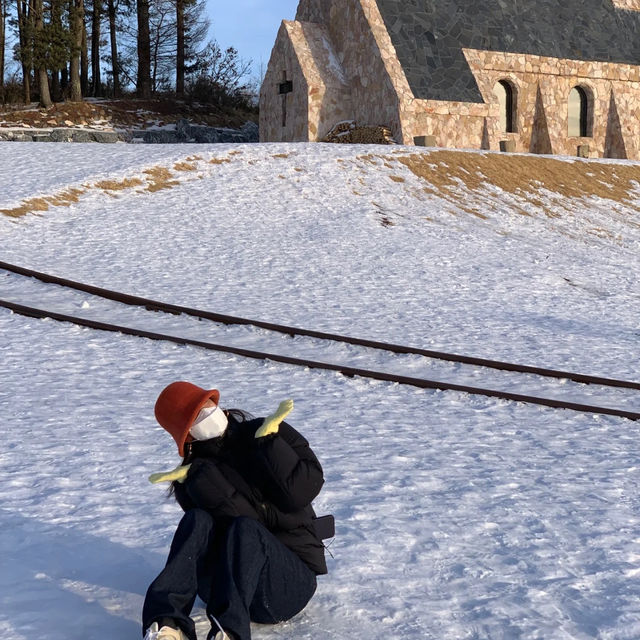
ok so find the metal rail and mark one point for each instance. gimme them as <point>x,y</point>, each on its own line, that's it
<point>346,371</point>
<point>154,305</point>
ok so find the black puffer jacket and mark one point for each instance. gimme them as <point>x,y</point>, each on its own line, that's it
<point>271,479</point>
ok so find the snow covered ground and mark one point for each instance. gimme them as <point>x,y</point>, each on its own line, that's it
<point>458,517</point>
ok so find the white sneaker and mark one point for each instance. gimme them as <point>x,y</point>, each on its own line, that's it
<point>165,633</point>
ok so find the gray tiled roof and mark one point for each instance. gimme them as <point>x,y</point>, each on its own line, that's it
<point>429,36</point>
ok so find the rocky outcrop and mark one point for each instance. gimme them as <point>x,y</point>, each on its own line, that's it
<point>58,134</point>
<point>185,132</point>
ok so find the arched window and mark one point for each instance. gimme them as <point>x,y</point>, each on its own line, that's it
<point>580,113</point>
<point>505,94</point>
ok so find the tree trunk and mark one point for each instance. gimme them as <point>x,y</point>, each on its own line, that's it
<point>144,51</point>
<point>84,62</point>
<point>76,11</point>
<point>155,50</point>
<point>22,8</point>
<point>115,69</point>
<point>95,48</point>
<point>41,70</point>
<point>3,12</point>
<point>43,88</point>
<point>180,48</point>
<point>26,84</point>
<point>56,8</point>
<point>56,89</point>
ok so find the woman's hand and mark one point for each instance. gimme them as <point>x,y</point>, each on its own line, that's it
<point>271,423</point>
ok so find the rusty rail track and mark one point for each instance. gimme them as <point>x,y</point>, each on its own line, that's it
<point>154,305</point>
<point>312,364</point>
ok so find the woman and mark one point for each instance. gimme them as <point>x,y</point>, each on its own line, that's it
<point>246,544</point>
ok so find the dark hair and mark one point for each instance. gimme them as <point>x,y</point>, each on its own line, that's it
<point>239,415</point>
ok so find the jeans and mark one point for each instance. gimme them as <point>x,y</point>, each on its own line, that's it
<point>244,574</point>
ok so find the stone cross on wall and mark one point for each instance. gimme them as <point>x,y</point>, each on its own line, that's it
<point>285,87</point>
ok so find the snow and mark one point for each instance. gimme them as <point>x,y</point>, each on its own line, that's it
<point>458,517</point>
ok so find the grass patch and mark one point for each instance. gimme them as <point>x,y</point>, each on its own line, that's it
<point>156,179</point>
<point>184,166</point>
<point>118,185</point>
<point>525,176</point>
<point>38,205</point>
<point>159,178</point>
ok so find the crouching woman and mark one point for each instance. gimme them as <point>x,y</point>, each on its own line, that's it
<point>246,544</point>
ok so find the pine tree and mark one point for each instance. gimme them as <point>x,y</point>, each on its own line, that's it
<point>40,46</point>
<point>180,47</point>
<point>84,58</point>
<point>143,85</point>
<point>24,49</point>
<point>113,38</point>
<point>195,26</point>
<point>162,35</point>
<point>3,23</point>
<point>96,17</point>
<point>76,23</point>
<point>59,45</point>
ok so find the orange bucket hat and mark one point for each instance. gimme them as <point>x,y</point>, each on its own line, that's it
<point>178,405</point>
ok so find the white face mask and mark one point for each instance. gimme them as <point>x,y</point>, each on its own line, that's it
<point>210,423</point>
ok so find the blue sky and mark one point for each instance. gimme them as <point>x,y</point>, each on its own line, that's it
<point>249,25</point>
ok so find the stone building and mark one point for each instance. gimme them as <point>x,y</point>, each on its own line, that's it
<point>542,76</point>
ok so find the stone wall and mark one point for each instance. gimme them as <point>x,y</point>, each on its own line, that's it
<point>629,5</point>
<point>328,90</point>
<point>314,11</point>
<point>284,117</point>
<point>349,68</point>
<point>542,86</point>
<point>58,134</point>
<point>352,60</point>
<point>320,94</point>
<point>429,37</point>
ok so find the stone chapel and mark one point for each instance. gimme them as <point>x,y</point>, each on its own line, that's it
<point>540,76</point>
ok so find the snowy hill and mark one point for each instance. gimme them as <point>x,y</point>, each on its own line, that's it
<point>458,517</point>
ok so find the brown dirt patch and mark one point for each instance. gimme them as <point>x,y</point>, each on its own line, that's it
<point>63,114</point>
<point>159,178</point>
<point>184,166</point>
<point>118,185</point>
<point>156,179</point>
<point>525,176</point>
<point>34,205</point>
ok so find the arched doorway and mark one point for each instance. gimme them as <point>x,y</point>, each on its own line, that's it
<point>580,113</point>
<point>505,94</point>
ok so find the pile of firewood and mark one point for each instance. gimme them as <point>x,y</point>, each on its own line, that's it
<point>349,132</point>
